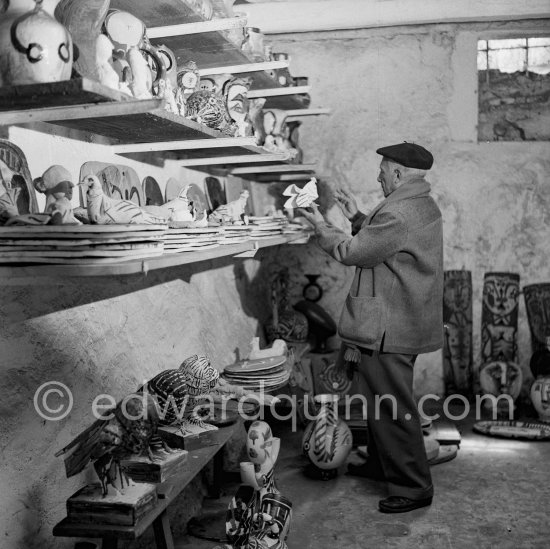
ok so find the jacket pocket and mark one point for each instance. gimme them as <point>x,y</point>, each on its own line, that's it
<point>362,320</point>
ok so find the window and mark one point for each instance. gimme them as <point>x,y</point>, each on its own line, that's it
<point>514,89</point>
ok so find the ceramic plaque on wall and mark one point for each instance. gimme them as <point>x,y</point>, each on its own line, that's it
<point>499,317</point>
<point>14,173</point>
<point>457,318</point>
<point>153,194</point>
<point>118,181</point>
<point>537,303</point>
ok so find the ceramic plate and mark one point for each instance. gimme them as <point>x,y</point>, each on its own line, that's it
<point>255,365</point>
<point>37,231</point>
<point>514,429</point>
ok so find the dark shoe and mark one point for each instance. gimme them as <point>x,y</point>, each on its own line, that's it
<point>400,504</point>
<point>363,470</point>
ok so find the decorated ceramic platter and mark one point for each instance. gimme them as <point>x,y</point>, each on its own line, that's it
<point>514,429</point>
<point>255,365</point>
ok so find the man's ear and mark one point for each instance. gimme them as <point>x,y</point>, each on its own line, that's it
<point>39,184</point>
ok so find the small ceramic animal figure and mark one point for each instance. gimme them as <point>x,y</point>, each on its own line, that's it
<point>209,108</point>
<point>187,83</point>
<point>104,63</point>
<point>278,348</point>
<point>104,210</point>
<point>179,391</point>
<point>56,184</point>
<point>231,213</point>
<point>256,114</point>
<point>130,431</point>
<point>174,210</point>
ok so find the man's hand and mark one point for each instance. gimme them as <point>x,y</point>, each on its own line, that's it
<point>346,201</point>
<point>312,214</point>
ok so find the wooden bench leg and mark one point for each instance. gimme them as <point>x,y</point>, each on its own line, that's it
<point>109,543</point>
<point>163,534</point>
<point>217,475</point>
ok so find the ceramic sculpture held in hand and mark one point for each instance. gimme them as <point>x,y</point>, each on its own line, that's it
<point>104,210</point>
<point>231,213</point>
<point>301,198</point>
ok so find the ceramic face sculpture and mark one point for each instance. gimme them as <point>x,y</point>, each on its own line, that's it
<point>327,440</point>
<point>540,396</point>
<point>235,92</point>
<point>34,47</point>
<point>187,82</point>
<point>537,304</point>
<point>501,378</point>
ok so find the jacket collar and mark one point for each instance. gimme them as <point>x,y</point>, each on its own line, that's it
<point>412,189</point>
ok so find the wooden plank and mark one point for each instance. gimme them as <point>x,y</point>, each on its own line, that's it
<point>245,68</point>
<point>79,112</point>
<point>304,168</point>
<point>220,143</point>
<point>199,27</point>
<point>39,274</point>
<point>273,92</point>
<point>239,159</point>
<point>148,127</point>
<point>54,94</point>
<point>299,113</point>
<point>312,16</point>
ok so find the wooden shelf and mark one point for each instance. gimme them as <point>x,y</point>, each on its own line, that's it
<point>142,266</point>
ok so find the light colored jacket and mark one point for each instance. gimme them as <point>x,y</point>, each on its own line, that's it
<point>395,303</point>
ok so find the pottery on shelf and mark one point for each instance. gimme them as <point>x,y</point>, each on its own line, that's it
<point>235,93</point>
<point>231,212</point>
<point>327,440</point>
<point>187,83</point>
<point>34,46</point>
<point>254,43</point>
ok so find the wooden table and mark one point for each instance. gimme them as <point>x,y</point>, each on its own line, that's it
<point>167,493</point>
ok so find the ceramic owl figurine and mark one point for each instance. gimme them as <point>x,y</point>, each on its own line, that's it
<point>209,108</point>
<point>187,82</point>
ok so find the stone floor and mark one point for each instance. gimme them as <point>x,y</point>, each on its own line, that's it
<point>496,493</point>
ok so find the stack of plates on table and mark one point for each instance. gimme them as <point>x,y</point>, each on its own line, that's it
<point>80,244</point>
<point>234,234</point>
<point>292,228</point>
<point>267,374</point>
<point>265,227</point>
<point>192,239</point>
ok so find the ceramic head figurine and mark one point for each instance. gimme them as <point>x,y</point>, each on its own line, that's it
<point>235,92</point>
<point>499,378</point>
<point>106,73</point>
<point>231,213</point>
<point>34,46</point>
<point>187,82</point>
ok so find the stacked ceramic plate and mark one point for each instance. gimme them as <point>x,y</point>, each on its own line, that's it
<point>192,239</point>
<point>80,244</point>
<point>267,374</point>
<point>266,227</point>
<point>235,234</point>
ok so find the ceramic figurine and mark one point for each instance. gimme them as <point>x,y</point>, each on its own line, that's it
<point>256,115</point>
<point>84,19</point>
<point>104,210</point>
<point>8,204</point>
<point>106,74</point>
<point>254,43</point>
<point>34,47</point>
<point>204,8</point>
<point>166,87</point>
<point>179,391</point>
<point>540,397</point>
<point>231,213</point>
<point>274,121</point>
<point>301,197</point>
<point>537,305</point>
<point>130,431</point>
<point>56,184</point>
<point>501,378</point>
<point>235,92</point>
<point>278,348</point>
<point>271,526</point>
<point>327,440</point>
<point>187,83</point>
<point>209,108</point>
<point>177,209</point>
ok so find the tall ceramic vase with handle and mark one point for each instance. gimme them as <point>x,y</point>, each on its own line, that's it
<point>327,440</point>
<point>34,46</point>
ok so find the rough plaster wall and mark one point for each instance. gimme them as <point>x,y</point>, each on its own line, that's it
<point>419,84</point>
<point>104,335</point>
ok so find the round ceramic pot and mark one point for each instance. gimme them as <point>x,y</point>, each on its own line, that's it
<point>540,396</point>
<point>327,440</point>
<point>34,46</point>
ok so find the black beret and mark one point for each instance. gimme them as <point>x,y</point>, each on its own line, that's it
<point>408,154</point>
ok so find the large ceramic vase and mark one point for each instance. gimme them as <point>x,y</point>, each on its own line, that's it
<point>327,440</point>
<point>540,396</point>
<point>34,47</point>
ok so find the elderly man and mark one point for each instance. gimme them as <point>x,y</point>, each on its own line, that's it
<point>393,312</point>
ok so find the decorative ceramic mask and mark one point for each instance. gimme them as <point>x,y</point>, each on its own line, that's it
<point>235,92</point>
<point>34,47</point>
<point>187,82</point>
<point>501,378</point>
<point>540,397</point>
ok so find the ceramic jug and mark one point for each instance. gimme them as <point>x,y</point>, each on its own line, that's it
<point>327,440</point>
<point>34,47</point>
<point>540,396</point>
